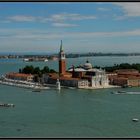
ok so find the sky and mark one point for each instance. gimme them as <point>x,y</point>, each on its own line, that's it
<point>83,26</point>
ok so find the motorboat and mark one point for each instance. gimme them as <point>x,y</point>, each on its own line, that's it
<point>113,92</point>
<point>118,92</point>
<point>36,90</point>
<point>122,92</point>
<point>135,120</point>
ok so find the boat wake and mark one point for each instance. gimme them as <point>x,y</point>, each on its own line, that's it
<point>126,92</point>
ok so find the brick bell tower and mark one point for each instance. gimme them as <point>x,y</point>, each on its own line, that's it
<point>62,61</point>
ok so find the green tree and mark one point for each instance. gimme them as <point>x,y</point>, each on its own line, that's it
<point>45,70</point>
<point>52,71</point>
<point>37,71</point>
<point>28,70</point>
<point>36,78</point>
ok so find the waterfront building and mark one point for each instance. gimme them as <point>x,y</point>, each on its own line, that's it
<point>96,77</point>
<point>125,77</point>
<point>68,81</point>
<point>20,76</point>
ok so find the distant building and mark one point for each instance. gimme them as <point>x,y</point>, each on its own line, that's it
<point>125,77</point>
<point>20,76</point>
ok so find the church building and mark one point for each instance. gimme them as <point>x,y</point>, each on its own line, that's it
<point>80,77</point>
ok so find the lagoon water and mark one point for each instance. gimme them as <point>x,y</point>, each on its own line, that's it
<point>69,112</point>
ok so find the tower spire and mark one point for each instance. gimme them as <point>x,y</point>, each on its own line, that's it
<point>61,49</point>
<point>62,61</point>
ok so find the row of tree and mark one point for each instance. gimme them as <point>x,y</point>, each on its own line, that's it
<point>122,66</point>
<point>36,70</point>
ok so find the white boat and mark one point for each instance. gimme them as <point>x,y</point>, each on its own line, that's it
<point>26,59</point>
<point>135,120</point>
<point>36,89</point>
<point>45,60</point>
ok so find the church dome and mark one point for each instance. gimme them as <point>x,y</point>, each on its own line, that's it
<point>87,65</point>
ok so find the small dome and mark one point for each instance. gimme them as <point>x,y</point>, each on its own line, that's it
<point>87,65</point>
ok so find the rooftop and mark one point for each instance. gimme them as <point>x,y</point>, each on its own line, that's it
<point>19,74</point>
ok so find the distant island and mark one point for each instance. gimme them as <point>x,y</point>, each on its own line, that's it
<point>121,66</point>
<point>68,55</point>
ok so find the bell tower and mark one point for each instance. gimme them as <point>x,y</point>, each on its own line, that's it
<point>62,61</point>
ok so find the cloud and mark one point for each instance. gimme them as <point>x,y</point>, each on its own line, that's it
<point>64,25</point>
<point>44,35</point>
<point>67,16</point>
<point>103,9</point>
<point>131,9</point>
<point>52,18</point>
<point>22,18</point>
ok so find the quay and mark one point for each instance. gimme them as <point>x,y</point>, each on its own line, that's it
<point>32,85</point>
<point>22,84</point>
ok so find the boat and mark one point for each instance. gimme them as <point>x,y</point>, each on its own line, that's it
<point>26,59</point>
<point>36,90</point>
<point>45,60</point>
<point>113,92</point>
<point>126,86</point>
<point>122,92</point>
<point>135,120</point>
<point>6,105</point>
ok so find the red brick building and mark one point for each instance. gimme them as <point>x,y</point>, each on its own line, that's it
<point>129,77</point>
<point>20,76</point>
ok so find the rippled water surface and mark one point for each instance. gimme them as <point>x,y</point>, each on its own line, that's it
<point>70,112</point>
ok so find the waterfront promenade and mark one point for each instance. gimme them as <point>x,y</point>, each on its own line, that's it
<point>33,85</point>
<point>23,84</point>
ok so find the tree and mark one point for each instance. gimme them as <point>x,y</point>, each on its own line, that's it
<point>28,70</point>
<point>20,70</point>
<point>37,71</point>
<point>45,70</point>
<point>52,71</point>
<point>36,78</point>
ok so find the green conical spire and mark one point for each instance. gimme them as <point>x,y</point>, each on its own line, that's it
<point>61,48</point>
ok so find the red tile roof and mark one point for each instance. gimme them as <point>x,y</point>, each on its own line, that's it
<point>19,74</point>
